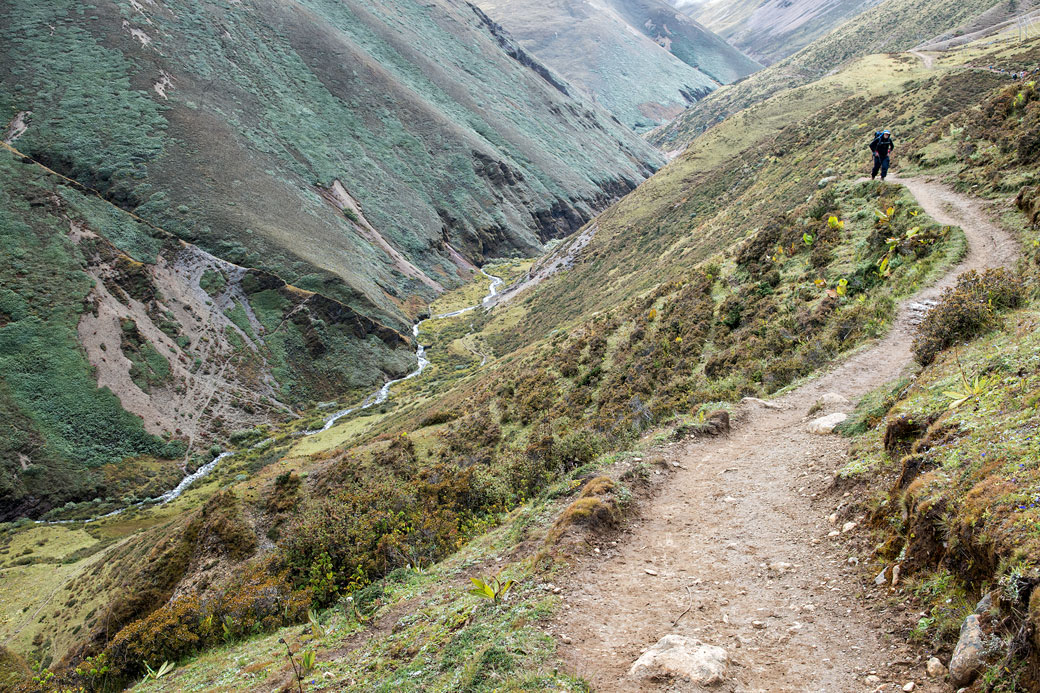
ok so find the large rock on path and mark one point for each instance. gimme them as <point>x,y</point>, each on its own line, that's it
<point>967,657</point>
<point>682,657</point>
<point>826,424</point>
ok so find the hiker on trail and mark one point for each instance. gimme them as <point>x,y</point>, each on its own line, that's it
<point>882,146</point>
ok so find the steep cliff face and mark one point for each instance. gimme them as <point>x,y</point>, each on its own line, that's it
<point>642,59</point>
<point>217,121</point>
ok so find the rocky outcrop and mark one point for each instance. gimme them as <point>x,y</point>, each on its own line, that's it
<point>514,51</point>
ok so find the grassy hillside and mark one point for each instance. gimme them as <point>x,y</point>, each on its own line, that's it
<point>640,59</point>
<point>128,353</point>
<point>771,31</point>
<point>946,462</point>
<point>462,142</point>
<point>892,26</point>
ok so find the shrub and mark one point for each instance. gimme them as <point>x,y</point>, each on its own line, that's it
<point>254,602</point>
<point>596,509</point>
<point>13,670</point>
<point>577,449</point>
<point>967,310</point>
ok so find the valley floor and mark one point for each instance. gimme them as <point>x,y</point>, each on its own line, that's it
<point>741,534</point>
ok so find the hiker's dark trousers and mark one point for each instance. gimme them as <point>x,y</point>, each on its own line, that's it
<point>880,164</point>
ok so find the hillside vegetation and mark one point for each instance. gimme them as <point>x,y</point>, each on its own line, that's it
<point>753,261</point>
<point>891,26</point>
<point>641,59</point>
<point>947,460</point>
<point>771,31</point>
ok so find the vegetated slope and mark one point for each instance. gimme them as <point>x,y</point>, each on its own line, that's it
<point>774,29</point>
<point>641,59</point>
<point>894,25</point>
<point>224,124</point>
<point>123,344</point>
<point>329,176</point>
<point>725,275</point>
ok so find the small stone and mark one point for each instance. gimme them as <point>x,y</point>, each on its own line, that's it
<point>895,574</point>
<point>909,687</point>
<point>833,518</point>
<point>833,399</point>
<point>780,567</point>
<point>678,655</point>
<point>566,640</point>
<point>935,668</point>
<point>833,533</point>
<point>967,656</point>
<point>328,676</point>
<point>759,625</point>
<point>882,577</point>
<point>650,571</point>
<point>759,403</point>
<point>848,526</point>
<point>872,680</point>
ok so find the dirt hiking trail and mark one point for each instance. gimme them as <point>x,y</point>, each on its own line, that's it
<point>741,531</point>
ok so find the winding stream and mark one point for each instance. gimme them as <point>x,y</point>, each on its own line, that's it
<point>381,395</point>
<point>165,498</point>
<point>377,397</point>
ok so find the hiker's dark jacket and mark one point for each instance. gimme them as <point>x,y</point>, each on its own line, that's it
<point>882,147</point>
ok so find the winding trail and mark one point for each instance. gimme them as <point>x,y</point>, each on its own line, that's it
<point>735,508</point>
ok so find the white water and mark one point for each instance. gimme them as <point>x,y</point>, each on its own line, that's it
<point>165,498</point>
<point>381,395</point>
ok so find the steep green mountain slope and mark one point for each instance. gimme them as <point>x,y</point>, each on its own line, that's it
<point>331,167</point>
<point>641,59</point>
<point>771,30</point>
<point>243,113</point>
<point>894,25</point>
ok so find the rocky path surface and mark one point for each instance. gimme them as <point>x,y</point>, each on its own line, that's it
<point>742,535</point>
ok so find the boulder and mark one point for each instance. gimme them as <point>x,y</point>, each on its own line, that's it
<point>967,656</point>
<point>826,424</point>
<point>833,399</point>
<point>679,656</point>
